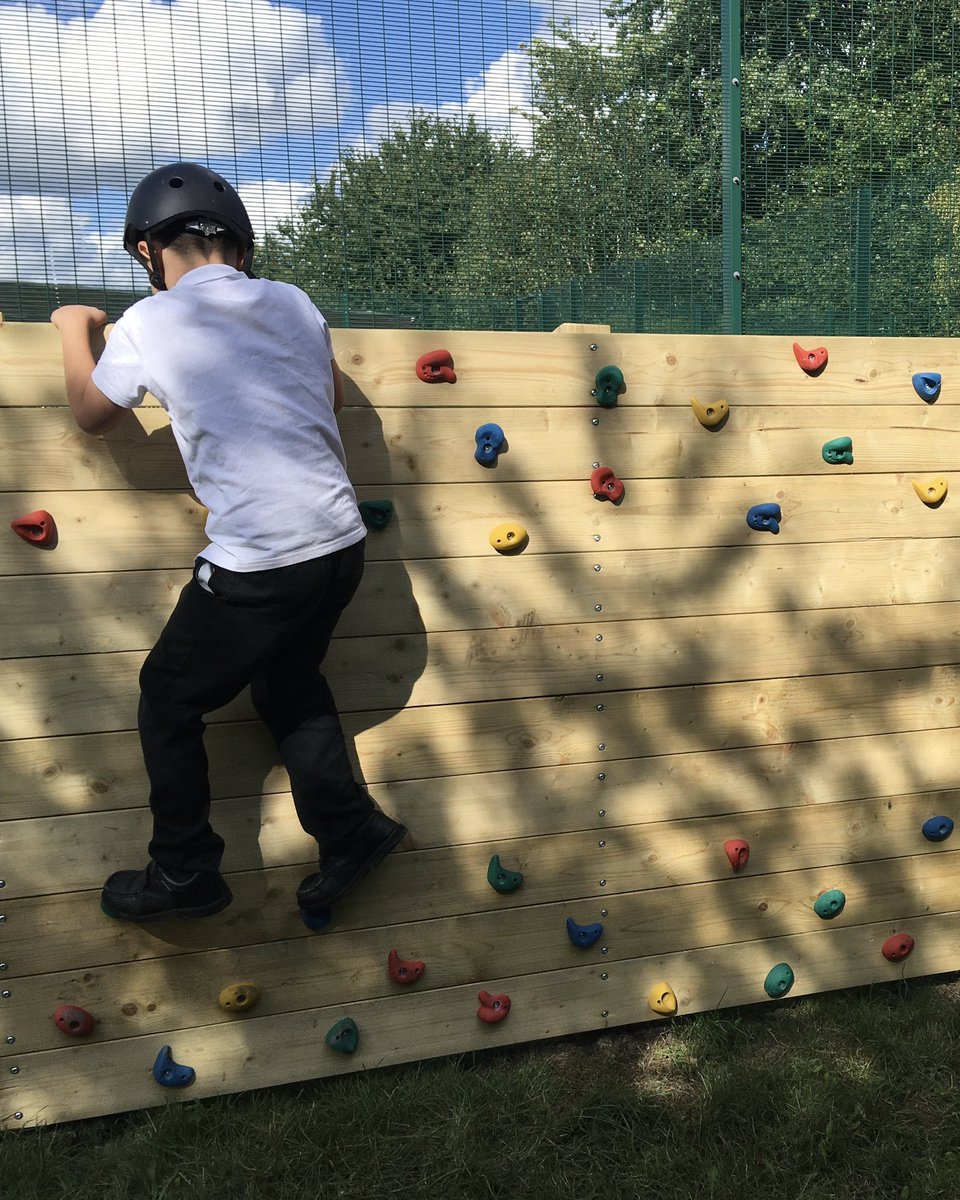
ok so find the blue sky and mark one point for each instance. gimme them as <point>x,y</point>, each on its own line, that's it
<point>269,91</point>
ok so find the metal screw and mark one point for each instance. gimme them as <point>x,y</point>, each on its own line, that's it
<point>18,1116</point>
<point>735,81</point>
<point>604,976</point>
<point>603,883</point>
<point>736,181</point>
<point>599,637</point>
<point>736,274</point>
<point>604,950</point>
<point>14,1070</point>
<point>10,1040</point>
<point>597,567</point>
<point>595,465</point>
<point>6,995</point>
<point>3,966</point>
<point>598,608</point>
<point>3,883</point>
<point>602,812</point>
<point>594,346</point>
<point>596,537</point>
<point>601,775</point>
<point>603,912</point>
<point>601,844</point>
<point>599,679</point>
<point>2,918</point>
<point>593,391</point>
<point>604,1013</point>
<point>595,421</point>
<point>599,708</point>
<point>601,745</point>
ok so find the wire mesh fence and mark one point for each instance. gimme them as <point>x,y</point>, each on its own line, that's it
<point>504,164</point>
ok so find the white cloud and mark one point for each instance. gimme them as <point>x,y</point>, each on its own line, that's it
<point>273,200</point>
<point>88,103</point>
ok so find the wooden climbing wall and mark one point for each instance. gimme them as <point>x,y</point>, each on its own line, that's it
<point>603,711</point>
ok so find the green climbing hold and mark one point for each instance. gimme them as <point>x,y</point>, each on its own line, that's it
<point>500,879</point>
<point>608,385</point>
<point>829,904</point>
<point>376,513</point>
<point>780,979</point>
<point>344,1037</point>
<point>838,450</point>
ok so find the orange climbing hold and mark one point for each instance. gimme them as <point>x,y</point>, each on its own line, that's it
<point>812,361</point>
<point>404,971</point>
<point>436,366</point>
<point>37,527</point>
<point>493,1009</point>
<point>605,485</point>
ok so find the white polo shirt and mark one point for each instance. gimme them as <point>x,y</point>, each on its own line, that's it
<point>242,366</point>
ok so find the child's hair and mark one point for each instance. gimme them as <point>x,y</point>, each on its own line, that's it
<point>189,244</point>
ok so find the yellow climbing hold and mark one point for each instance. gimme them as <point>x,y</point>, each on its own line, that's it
<point>710,415</point>
<point>510,537</point>
<point>238,997</point>
<point>662,999</point>
<point>930,491</point>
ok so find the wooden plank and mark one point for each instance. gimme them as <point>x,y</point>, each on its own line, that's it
<point>77,852</point>
<point>166,995</point>
<point>44,449</point>
<point>83,693</point>
<point>126,610</point>
<point>54,1085</point>
<point>150,530</point>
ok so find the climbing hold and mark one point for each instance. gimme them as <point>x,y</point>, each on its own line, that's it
<point>316,920</point>
<point>376,514</point>
<point>765,516</point>
<point>500,879</point>
<point>36,527</point>
<point>927,385</point>
<point>738,851</point>
<point>838,450</point>
<point>238,997</point>
<point>897,946</point>
<point>490,440</point>
<point>73,1021</point>
<point>169,1073</point>
<point>932,491</point>
<point>812,361</point>
<point>779,980</point>
<point>344,1037</point>
<point>493,1009</point>
<point>662,999</point>
<point>583,936</point>
<point>404,971</point>
<point>829,904</point>
<point>436,366</point>
<point>937,829</point>
<point>605,485</point>
<point>608,385</point>
<point>710,415</point>
<point>509,538</point>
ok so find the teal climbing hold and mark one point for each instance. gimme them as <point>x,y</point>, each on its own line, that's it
<point>780,979</point>
<point>608,385</point>
<point>500,879</point>
<point>829,904</point>
<point>376,513</point>
<point>927,384</point>
<point>344,1037</point>
<point>838,450</point>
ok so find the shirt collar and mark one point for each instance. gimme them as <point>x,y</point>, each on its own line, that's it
<point>206,273</point>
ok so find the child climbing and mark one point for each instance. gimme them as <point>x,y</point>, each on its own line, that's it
<point>245,370</point>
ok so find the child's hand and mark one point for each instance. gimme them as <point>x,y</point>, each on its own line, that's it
<point>82,315</point>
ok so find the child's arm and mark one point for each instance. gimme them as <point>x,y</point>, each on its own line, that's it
<point>338,396</point>
<point>93,411</point>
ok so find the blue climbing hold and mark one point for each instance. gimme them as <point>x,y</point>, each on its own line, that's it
<point>765,517</point>
<point>169,1073</point>
<point>927,384</point>
<point>937,829</point>
<point>490,441</point>
<point>316,920</point>
<point>583,936</point>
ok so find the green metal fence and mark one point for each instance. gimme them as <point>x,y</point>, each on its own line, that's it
<point>765,166</point>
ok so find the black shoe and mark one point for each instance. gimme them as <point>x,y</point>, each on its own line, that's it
<point>154,894</point>
<point>347,864</point>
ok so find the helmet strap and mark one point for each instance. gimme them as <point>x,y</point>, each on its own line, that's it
<point>155,269</point>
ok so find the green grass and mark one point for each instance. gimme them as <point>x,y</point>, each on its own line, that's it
<point>849,1095</point>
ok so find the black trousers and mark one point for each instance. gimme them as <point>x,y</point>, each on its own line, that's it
<point>271,630</point>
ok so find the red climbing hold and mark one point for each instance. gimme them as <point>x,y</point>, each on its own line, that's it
<point>404,971</point>
<point>493,1009</point>
<point>896,947</point>
<point>73,1021</point>
<point>606,486</point>
<point>811,360</point>
<point>436,366</point>
<point>37,527</point>
<point>738,851</point>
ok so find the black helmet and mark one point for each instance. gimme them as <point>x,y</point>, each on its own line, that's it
<point>171,195</point>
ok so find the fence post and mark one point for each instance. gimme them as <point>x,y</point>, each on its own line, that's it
<point>861,281</point>
<point>730,37</point>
